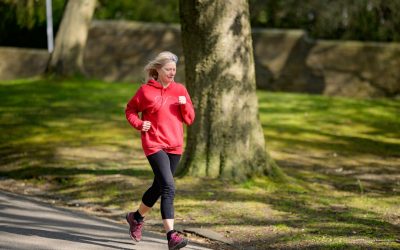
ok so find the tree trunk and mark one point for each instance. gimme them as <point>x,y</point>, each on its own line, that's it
<point>67,57</point>
<point>226,139</point>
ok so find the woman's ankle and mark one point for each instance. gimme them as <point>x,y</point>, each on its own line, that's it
<point>169,234</point>
<point>137,216</point>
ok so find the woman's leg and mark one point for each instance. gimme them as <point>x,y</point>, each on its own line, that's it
<point>143,209</point>
<point>152,194</point>
<point>149,198</point>
<point>174,240</point>
<point>163,165</point>
<point>174,161</point>
<point>162,174</point>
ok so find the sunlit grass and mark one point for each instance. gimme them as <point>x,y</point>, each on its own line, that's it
<point>345,124</point>
<point>70,139</point>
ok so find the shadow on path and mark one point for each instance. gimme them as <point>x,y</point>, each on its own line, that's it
<point>29,224</point>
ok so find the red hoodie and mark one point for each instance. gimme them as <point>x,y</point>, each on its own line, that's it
<point>160,106</point>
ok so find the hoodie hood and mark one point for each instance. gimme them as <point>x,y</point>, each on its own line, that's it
<point>158,85</point>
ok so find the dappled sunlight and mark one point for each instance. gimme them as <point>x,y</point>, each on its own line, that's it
<point>351,145</point>
<point>316,213</point>
<point>92,153</point>
<point>71,141</point>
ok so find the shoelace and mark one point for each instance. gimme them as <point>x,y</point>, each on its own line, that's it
<point>175,238</point>
<point>136,224</point>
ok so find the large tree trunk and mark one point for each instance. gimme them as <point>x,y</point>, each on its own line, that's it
<point>67,57</point>
<point>226,139</point>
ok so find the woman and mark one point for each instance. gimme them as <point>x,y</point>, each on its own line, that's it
<point>164,106</point>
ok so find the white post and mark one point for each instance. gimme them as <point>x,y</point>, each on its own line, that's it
<point>49,15</point>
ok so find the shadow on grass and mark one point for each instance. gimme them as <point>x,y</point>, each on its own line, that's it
<point>35,172</point>
<point>363,136</point>
<point>380,115</point>
<point>368,179</point>
<point>61,110</point>
<point>40,117</point>
<point>47,126</point>
<point>307,215</point>
<point>71,138</point>
<point>336,143</point>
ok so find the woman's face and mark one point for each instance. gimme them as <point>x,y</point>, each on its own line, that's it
<point>167,73</point>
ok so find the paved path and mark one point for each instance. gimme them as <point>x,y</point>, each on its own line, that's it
<point>29,224</point>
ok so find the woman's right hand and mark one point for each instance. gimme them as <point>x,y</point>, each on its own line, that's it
<point>146,126</point>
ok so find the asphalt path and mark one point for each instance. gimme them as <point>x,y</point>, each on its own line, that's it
<point>26,223</point>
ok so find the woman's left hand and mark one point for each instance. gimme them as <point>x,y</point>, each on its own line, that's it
<point>182,99</point>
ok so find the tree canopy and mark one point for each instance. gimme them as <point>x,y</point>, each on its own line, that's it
<point>365,20</point>
<point>23,22</point>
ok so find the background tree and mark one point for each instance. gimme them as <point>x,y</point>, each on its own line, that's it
<point>67,57</point>
<point>23,22</point>
<point>366,20</point>
<point>226,139</point>
<point>139,10</point>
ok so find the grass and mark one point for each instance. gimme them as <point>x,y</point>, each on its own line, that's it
<point>69,139</point>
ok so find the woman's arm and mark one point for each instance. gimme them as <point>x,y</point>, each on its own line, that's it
<point>132,110</point>
<point>187,110</point>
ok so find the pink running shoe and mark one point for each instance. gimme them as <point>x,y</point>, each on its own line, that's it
<point>176,242</point>
<point>135,228</point>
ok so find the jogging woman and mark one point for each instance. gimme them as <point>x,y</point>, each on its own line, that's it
<point>164,106</point>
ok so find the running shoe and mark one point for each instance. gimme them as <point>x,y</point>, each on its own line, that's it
<point>135,227</point>
<point>176,242</point>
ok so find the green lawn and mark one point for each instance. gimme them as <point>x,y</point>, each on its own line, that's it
<point>69,139</point>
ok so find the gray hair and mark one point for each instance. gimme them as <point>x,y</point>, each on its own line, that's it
<point>157,63</point>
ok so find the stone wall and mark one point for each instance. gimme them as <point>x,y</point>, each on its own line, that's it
<point>286,60</point>
<point>21,63</point>
<point>289,61</point>
<point>119,50</point>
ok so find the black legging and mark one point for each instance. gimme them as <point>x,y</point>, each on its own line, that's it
<point>164,166</point>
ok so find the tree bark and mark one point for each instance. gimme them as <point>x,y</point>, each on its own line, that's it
<point>67,57</point>
<point>226,139</point>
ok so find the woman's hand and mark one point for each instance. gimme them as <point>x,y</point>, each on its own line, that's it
<point>182,99</point>
<point>146,126</point>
